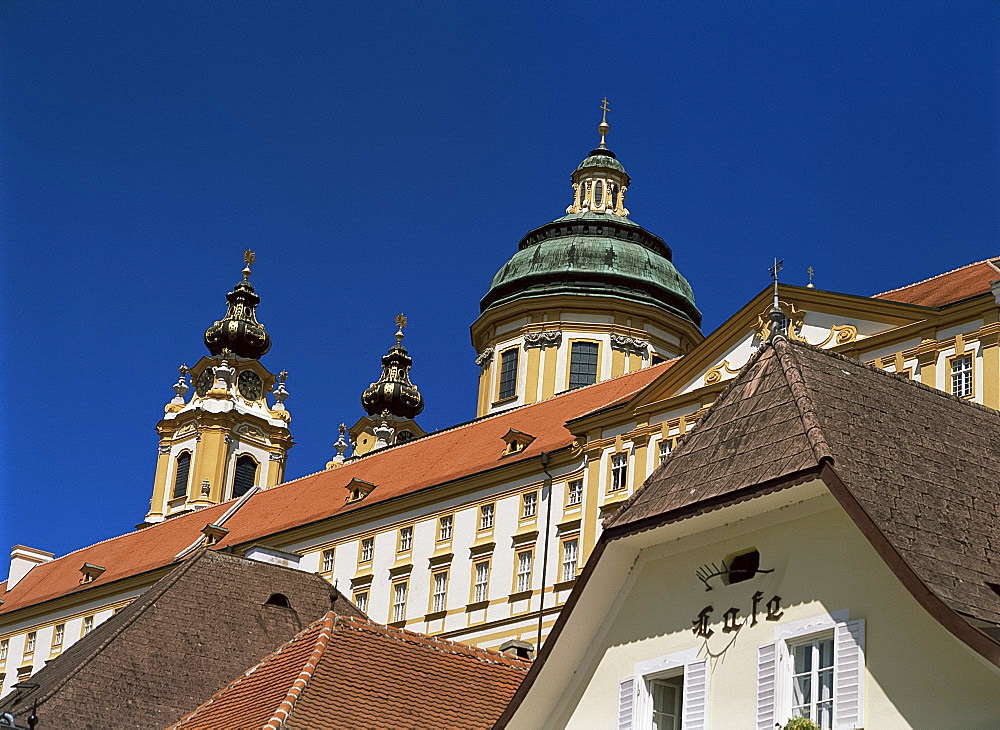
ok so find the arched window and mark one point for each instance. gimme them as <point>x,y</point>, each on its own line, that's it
<point>181,479</point>
<point>278,599</point>
<point>245,475</point>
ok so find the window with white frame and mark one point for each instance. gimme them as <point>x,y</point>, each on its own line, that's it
<point>524,571</point>
<point>361,601</point>
<point>327,565</point>
<point>399,601</point>
<point>444,528</point>
<point>569,559</point>
<point>574,493</point>
<point>4,647</point>
<point>482,581</point>
<point>88,625</point>
<point>583,364</point>
<point>57,635</point>
<point>405,539</point>
<point>367,549</point>
<point>663,691</point>
<point>619,471</point>
<point>440,591</point>
<point>814,669</point>
<point>665,448</point>
<point>29,645</point>
<point>486,517</point>
<point>529,505</point>
<point>508,373</point>
<point>961,376</point>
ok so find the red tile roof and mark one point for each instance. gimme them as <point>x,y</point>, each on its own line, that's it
<point>949,287</point>
<point>346,672</point>
<point>423,463</point>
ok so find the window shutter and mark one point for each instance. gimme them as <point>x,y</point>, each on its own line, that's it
<point>696,695</point>
<point>626,703</point>
<point>849,675</point>
<point>767,676</point>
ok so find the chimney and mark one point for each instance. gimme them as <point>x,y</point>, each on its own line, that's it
<point>23,559</point>
<point>518,649</point>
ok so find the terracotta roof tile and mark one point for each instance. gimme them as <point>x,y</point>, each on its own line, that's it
<point>420,464</point>
<point>345,672</point>
<point>949,287</point>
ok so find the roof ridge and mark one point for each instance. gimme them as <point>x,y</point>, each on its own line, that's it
<point>685,437</point>
<point>800,395</point>
<point>465,424</point>
<point>455,647</point>
<point>936,276</point>
<point>236,682</point>
<point>285,708</point>
<point>148,598</point>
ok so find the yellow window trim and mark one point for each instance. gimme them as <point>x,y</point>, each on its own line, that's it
<point>499,368</point>
<point>970,353</point>
<point>435,572</point>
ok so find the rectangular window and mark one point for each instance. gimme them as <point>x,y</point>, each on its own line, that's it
<point>361,601</point>
<point>57,636</point>
<point>508,373</point>
<point>961,376</point>
<point>88,625</point>
<point>529,504</point>
<point>486,517</point>
<point>583,364</point>
<point>405,539</point>
<point>812,680</point>
<point>569,560</point>
<point>524,571</point>
<point>665,448</point>
<point>399,601</point>
<point>482,583</point>
<point>440,591</point>
<point>367,549</point>
<point>4,646</point>
<point>619,471</point>
<point>667,694</point>
<point>575,493</point>
<point>29,645</point>
<point>444,528</point>
<point>327,560</point>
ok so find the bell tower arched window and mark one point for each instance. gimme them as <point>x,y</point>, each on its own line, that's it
<point>245,475</point>
<point>183,465</point>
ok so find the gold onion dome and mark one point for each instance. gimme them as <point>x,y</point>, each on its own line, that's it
<point>239,331</point>
<point>394,393</point>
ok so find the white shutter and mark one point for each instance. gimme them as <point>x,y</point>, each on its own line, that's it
<point>849,675</point>
<point>626,703</point>
<point>767,688</point>
<point>695,711</point>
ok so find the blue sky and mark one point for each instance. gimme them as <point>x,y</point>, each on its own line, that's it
<point>387,157</point>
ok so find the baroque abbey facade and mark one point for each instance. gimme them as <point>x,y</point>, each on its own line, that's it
<point>592,367</point>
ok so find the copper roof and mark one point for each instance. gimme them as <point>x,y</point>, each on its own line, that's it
<point>402,470</point>
<point>351,673</point>
<point>947,288</point>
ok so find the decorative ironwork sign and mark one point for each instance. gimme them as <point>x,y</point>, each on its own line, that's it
<point>731,622</point>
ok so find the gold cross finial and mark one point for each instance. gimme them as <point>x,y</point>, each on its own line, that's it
<point>605,109</point>
<point>401,320</point>
<point>810,284</point>
<point>283,374</point>
<point>249,258</point>
<point>603,127</point>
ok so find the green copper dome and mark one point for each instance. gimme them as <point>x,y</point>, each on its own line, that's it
<point>594,254</point>
<point>602,157</point>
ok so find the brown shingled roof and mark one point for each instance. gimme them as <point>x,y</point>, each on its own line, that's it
<point>176,644</point>
<point>403,469</point>
<point>949,287</point>
<point>920,465</point>
<point>351,673</point>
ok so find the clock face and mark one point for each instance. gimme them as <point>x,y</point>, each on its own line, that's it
<point>250,385</point>
<point>204,382</point>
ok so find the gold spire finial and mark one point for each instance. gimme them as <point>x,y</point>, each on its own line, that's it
<point>400,324</point>
<point>603,126</point>
<point>183,369</point>
<point>283,375</point>
<point>810,284</point>
<point>248,258</point>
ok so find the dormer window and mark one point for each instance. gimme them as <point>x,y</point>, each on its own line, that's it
<point>213,533</point>
<point>90,573</point>
<point>358,489</point>
<point>516,441</point>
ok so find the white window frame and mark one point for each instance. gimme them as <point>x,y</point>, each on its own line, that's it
<point>487,513</point>
<point>664,448</point>
<point>29,643</point>
<point>326,561</point>
<point>570,558</point>
<point>88,625</point>
<point>963,375</point>
<point>635,707</point>
<point>574,493</point>
<point>4,648</point>
<point>529,505</point>
<point>775,668</point>
<point>406,539</point>
<point>524,570</point>
<point>58,633</point>
<point>445,527</point>
<point>361,600</point>
<point>619,471</point>
<point>439,596</point>
<point>367,549</point>
<point>399,601</point>
<point>481,582</point>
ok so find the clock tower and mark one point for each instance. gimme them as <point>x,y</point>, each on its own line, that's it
<point>225,440</point>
